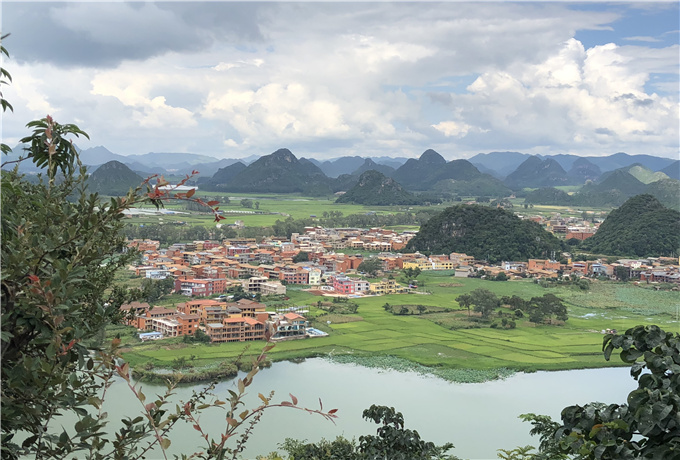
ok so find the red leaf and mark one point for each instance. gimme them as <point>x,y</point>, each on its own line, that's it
<point>213,203</point>
<point>294,399</point>
<point>191,192</point>
<point>286,403</point>
<point>332,411</point>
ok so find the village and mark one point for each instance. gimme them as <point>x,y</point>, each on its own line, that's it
<point>207,271</point>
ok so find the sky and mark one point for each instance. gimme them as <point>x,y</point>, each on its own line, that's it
<point>325,80</point>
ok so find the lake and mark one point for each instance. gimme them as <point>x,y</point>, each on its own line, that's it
<point>478,418</point>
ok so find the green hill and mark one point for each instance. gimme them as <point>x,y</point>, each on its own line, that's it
<point>548,196</point>
<point>370,164</point>
<point>222,177</point>
<point>667,191</point>
<point>641,227</point>
<point>534,172</point>
<point>482,185</point>
<point>432,172</point>
<point>417,174</point>
<point>484,233</point>
<point>672,170</point>
<point>280,172</point>
<point>583,170</point>
<point>638,171</point>
<point>376,189</point>
<point>113,178</point>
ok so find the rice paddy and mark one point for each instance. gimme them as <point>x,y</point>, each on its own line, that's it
<point>444,339</point>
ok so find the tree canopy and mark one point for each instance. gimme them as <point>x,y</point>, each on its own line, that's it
<point>491,234</point>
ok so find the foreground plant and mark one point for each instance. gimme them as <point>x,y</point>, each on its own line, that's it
<point>646,427</point>
<point>61,247</point>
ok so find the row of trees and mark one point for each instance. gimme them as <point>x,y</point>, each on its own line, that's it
<point>546,308</point>
<point>170,233</point>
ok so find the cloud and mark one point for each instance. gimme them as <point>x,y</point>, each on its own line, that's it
<point>642,39</point>
<point>325,79</point>
<point>452,129</point>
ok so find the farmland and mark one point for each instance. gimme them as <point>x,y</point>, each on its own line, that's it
<point>273,207</point>
<point>445,340</point>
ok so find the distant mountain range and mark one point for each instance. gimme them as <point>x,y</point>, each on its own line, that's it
<point>490,174</point>
<point>502,164</point>
<point>613,188</point>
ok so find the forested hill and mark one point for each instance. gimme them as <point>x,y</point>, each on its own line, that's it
<point>641,227</point>
<point>113,178</point>
<point>374,188</point>
<point>484,233</point>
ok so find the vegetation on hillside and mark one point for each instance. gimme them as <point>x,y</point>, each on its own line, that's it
<point>641,227</point>
<point>375,189</point>
<point>113,178</point>
<point>534,172</point>
<point>280,172</point>
<point>491,234</point>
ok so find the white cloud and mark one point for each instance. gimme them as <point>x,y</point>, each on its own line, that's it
<point>357,78</point>
<point>452,129</point>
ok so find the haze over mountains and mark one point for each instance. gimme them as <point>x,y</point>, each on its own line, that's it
<point>613,178</point>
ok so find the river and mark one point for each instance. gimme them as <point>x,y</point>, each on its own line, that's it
<point>477,418</point>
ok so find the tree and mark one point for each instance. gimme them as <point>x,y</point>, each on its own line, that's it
<point>647,426</point>
<point>622,273</point>
<point>411,273</point>
<point>547,306</point>
<point>501,277</point>
<point>392,441</point>
<point>371,266</point>
<point>465,301</point>
<point>61,247</point>
<point>247,203</point>
<point>484,301</point>
<point>257,205</point>
<point>301,257</point>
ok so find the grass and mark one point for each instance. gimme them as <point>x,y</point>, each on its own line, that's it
<point>428,340</point>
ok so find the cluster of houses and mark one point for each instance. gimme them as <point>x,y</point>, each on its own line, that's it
<point>204,269</point>
<point>222,321</point>
<point>570,227</point>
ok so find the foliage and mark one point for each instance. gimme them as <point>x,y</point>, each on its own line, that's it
<point>115,178</point>
<point>484,301</point>
<point>465,301</point>
<point>535,172</point>
<point>61,248</point>
<point>547,307</point>
<point>622,273</point>
<point>168,234</point>
<point>153,290</point>
<point>279,172</point>
<point>376,189</point>
<point>411,274</point>
<point>371,266</point>
<point>492,234</point>
<point>647,426</point>
<point>55,238</point>
<point>5,79</point>
<point>640,227</point>
<point>301,257</point>
<point>392,441</point>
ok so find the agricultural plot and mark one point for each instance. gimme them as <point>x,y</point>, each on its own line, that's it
<point>423,340</point>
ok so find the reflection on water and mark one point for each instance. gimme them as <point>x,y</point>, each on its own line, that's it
<point>477,418</point>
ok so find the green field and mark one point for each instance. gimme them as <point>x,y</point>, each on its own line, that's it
<point>271,207</point>
<point>427,339</point>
